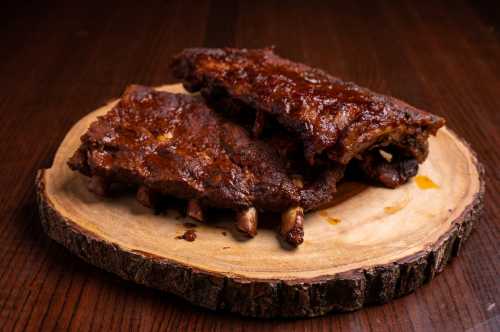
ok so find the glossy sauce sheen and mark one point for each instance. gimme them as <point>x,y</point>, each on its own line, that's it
<point>327,113</point>
<point>175,145</point>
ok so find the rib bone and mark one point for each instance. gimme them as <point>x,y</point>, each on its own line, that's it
<point>258,126</point>
<point>292,225</point>
<point>98,185</point>
<point>146,197</point>
<point>246,221</point>
<point>194,210</point>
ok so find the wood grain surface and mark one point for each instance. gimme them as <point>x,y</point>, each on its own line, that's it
<point>382,243</point>
<point>61,59</point>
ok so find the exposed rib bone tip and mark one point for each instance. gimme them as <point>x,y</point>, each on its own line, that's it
<point>258,125</point>
<point>386,155</point>
<point>298,181</point>
<point>194,210</point>
<point>146,197</point>
<point>292,225</point>
<point>246,221</point>
<point>98,185</point>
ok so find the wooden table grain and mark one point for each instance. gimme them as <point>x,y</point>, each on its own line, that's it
<point>59,60</point>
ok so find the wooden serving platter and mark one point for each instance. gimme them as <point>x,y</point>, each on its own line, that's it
<point>371,245</point>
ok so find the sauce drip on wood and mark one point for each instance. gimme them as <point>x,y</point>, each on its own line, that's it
<point>330,220</point>
<point>397,206</point>
<point>424,182</point>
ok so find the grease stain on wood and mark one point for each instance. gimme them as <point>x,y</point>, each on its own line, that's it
<point>398,206</point>
<point>333,221</point>
<point>424,182</point>
<point>328,218</point>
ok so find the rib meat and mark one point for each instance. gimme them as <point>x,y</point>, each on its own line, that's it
<point>333,119</point>
<point>173,144</point>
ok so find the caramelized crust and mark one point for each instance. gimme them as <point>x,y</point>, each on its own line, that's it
<point>331,117</point>
<point>173,144</point>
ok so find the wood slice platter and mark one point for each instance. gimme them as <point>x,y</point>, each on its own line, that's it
<point>371,245</point>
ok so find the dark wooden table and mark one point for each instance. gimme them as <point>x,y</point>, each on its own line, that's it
<point>61,60</point>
